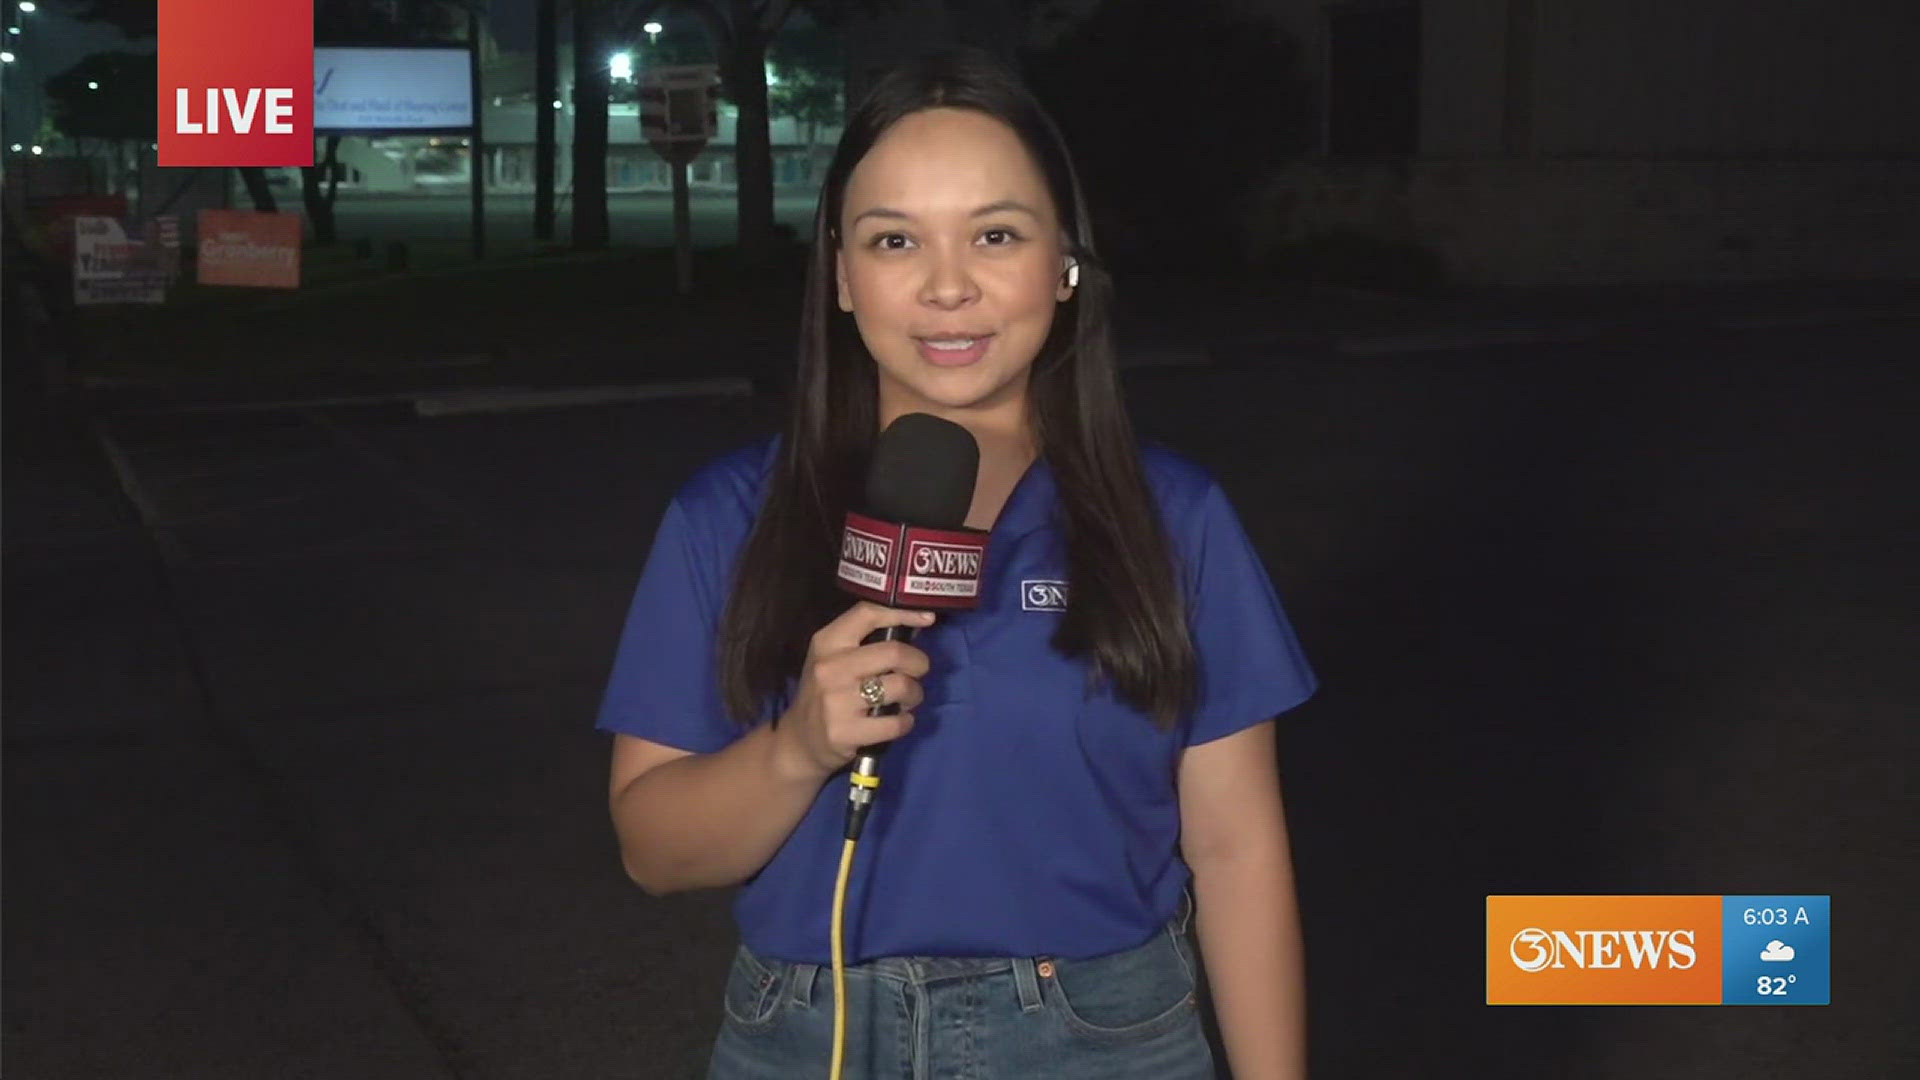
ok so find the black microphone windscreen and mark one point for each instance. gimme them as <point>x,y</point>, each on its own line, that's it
<point>923,472</point>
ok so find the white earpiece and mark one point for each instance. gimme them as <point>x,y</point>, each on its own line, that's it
<point>1073,274</point>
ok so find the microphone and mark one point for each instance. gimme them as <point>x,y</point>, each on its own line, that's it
<point>911,547</point>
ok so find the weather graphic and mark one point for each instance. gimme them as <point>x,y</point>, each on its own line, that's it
<point>1658,950</point>
<point>1778,950</point>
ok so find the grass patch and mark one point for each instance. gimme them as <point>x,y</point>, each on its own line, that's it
<point>519,310</point>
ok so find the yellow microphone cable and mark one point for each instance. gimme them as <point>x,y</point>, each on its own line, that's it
<point>865,780</point>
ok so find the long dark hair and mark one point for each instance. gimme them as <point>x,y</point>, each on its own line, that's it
<point>1125,607</point>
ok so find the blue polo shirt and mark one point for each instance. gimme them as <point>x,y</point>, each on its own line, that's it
<point>1027,813</point>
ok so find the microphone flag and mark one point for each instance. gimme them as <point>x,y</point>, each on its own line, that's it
<point>911,566</point>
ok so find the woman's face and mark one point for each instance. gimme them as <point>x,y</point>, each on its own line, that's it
<point>948,232</point>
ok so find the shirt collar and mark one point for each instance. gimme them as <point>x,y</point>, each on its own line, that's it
<point>1030,505</point>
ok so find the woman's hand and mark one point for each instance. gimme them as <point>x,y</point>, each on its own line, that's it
<point>828,722</point>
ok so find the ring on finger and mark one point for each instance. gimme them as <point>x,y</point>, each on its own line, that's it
<point>872,692</point>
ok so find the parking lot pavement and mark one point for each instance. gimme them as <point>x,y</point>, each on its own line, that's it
<point>307,785</point>
<point>164,917</point>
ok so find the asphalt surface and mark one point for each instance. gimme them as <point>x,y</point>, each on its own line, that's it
<point>300,778</point>
<point>642,218</point>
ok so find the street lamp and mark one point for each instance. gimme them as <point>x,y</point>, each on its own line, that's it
<point>621,65</point>
<point>36,149</point>
<point>91,85</point>
<point>27,6</point>
<point>6,57</point>
<point>653,32</point>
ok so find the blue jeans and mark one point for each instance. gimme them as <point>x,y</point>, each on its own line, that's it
<point>1124,1015</point>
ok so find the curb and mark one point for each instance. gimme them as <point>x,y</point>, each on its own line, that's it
<point>465,402</point>
<point>1434,340</point>
<point>428,402</point>
<point>1568,332</point>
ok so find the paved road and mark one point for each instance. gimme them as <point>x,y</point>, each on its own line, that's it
<point>641,219</point>
<point>313,791</point>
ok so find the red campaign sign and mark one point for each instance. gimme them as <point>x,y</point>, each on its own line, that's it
<point>236,83</point>
<point>50,221</point>
<point>911,566</point>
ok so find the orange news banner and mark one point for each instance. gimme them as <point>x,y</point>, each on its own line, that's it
<point>1603,950</point>
<point>249,247</point>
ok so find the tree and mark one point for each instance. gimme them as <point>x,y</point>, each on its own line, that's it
<point>1172,120</point>
<point>139,20</point>
<point>811,67</point>
<point>741,31</point>
<point>546,78</point>
<point>106,104</point>
<point>600,28</point>
<point>591,82</point>
<point>110,95</point>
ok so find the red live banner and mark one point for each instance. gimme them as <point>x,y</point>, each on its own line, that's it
<point>236,82</point>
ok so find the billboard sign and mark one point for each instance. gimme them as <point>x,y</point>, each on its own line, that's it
<point>358,90</point>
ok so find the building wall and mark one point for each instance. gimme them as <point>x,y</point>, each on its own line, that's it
<point>1589,141</point>
<point>1587,221</point>
<point>1463,76</point>
<point>1726,78</point>
<point>1610,78</point>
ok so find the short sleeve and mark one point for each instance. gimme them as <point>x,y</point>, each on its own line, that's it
<point>664,683</point>
<point>1252,667</point>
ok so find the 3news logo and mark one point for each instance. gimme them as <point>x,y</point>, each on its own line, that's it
<point>1043,595</point>
<point>889,563</point>
<point>236,83</point>
<point>865,557</point>
<point>1672,950</point>
<point>1533,949</point>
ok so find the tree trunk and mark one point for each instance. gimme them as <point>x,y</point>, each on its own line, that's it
<point>546,78</point>
<point>590,86</point>
<point>256,180</point>
<point>319,203</point>
<point>753,145</point>
<point>333,172</point>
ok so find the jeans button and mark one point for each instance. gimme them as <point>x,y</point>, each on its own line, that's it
<point>1045,969</point>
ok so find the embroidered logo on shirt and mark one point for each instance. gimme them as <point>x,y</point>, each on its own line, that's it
<point>1043,595</point>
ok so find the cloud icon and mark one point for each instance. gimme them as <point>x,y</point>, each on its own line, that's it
<point>1777,950</point>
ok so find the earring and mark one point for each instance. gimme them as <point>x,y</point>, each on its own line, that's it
<point>1073,275</point>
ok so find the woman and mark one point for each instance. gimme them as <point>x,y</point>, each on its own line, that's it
<point>1080,761</point>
